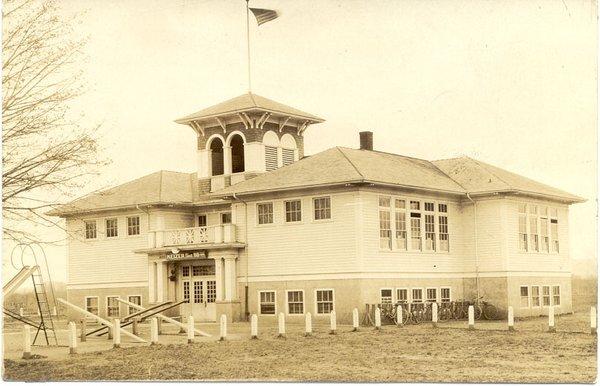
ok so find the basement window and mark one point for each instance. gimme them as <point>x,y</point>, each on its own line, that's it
<point>267,302</point>
<point>295,301</point>
<point>417,295</point>
<point>91,304</point>
<point>135,299</point>
<point>112,306</point>
<point>556,295</point>
<point>524,293</point>
<point>535,296</point>
<point>445,294</point>
<point>546,296</point>
<point>386,296</point>
<point>324,301</point>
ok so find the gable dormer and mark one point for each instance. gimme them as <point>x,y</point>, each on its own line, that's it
<point>246,135</point>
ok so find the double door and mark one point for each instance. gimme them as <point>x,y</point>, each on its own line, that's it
<point>199,286</point>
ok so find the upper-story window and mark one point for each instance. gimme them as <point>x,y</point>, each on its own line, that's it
<point>293,211</point>
<point>111,227</point>
<point>554,229</point>
<point>533,228</point>
<point>400,217</point>
<point>415,225</point>
<point>90,229</point>
<point>265,212</point>
<point>133,225</point>
<point>429,226</point>
<point>385,228</point>
<point>202,220</point>
<point>544,229</point>
<point>287,156</point>
<point>226,218</point>
<point>538,228</point>
<point>523,227</point>
<point>322,208</point>
<point>443,228</point>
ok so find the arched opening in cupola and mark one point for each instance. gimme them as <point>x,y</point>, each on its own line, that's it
<point>216,153</point>
<point>237,154</point>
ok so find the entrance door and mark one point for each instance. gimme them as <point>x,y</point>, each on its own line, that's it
<point>198,284</point>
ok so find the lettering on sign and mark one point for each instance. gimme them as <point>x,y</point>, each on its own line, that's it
<point>185,255</point>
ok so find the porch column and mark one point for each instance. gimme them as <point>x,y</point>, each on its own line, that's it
<point>230,278</point>
<point>161,276</point>
<point>151,282</point>
<point>219,277</point>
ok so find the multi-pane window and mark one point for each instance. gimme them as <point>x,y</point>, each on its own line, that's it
<point>226,218</point>
<point>402,295</point>
<point>545,239</point>
<point>91,304</point>
<point>287,156</point>
<point>415,231</point>
<point>133,226</point>
<point>554,235</point>
<point>198,292</point>
<point>417,295</point>
<point>386,296</point>
<point>202,220</point>
<point>538,228</point>
<point>533,228</point>
<point>185,271</point>
<point>295,300</point>
<point>90,230</point>
<point>203,270</point>
<point>111,227</point>
<point>186,290</point>
<point>432,295</point>
<point>135,299</point>
<point>535,296</point>
<point>445,294</point>
<point>524,292</point>
<point>400,215</point>
<point>293,211</point>
<point>112,306</point>
<point>556,295</point>
<point>267,302</point>
<point>324,301</point>
<point>322,208</point>
<point>265,213</point>
<point>429,232</point>
<point>385,226</point>
<point>546,295</point>
<point>270,158</point>
<point>211,291</point>
<point>523,228</point>
<point>443,228</point>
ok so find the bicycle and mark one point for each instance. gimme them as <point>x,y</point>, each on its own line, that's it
<point>484,309</point>
<point>445,311</point>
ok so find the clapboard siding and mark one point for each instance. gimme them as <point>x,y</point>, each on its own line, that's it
<point>537,261</point>
<point>491,245</point>
<point>307,247</point>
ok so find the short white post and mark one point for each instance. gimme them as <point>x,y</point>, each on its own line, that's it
<point>377,318</point>
<point>153,331</point>
<point>72,338</point>
<point>117,333</point>
<point>355,319</point>
<point>434,314</point>
<point>26,342</point>
<point>471,318</point>
<point>399,316</point>
<point>511,319</point>
<point>223,332</point>
<point>254,327</point>
<point>332,323</point>
<point>308,326</point>
<point>54,311</point>
<point>593,321</point>
<point>551,327</point>
<point>21,312</point>
<point>281,325</point>
<point>190,329</point>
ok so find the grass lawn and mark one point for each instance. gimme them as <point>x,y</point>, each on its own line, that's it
<point>401,354</point>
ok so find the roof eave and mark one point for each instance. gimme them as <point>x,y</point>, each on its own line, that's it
<point>572,199</point>
<point>68,213</point>
<point>190,118</point>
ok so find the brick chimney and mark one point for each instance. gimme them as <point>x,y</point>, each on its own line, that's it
<point>366,140</point>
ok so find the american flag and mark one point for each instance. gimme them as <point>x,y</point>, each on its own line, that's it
<point>264,15</point>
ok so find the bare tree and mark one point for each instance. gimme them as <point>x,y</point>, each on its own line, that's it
<point>46,151</point>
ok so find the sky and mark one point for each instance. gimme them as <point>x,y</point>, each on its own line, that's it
<point>511,83</point>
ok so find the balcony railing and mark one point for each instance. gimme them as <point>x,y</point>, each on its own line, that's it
<point>216,234</point>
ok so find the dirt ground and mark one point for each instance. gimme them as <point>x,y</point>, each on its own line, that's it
<point>449,353</point>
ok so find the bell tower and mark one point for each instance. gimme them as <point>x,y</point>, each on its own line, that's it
<point>244,136</point>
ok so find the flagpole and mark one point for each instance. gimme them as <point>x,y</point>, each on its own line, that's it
<point>248,41</point>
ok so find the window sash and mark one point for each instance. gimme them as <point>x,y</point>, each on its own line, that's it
<point>524,295</point>
<point>112,306</point>
<point>324,301</point>
<point>322,208</point>
<point>417,295</point>
<point>386,296</point>
<point>265,213</point>
<point>445,295</point>
<point>295,301</point>
<point>432,295</point>
<point>92,304</point>
<point>385,230</point>
<point>293,211</point>
<point>401,230</point>
<point>112,227</point>
<point>535,296</point>
<point>402,295</point>
<point>556,295</point>
<point>546,296</point>
<point>135,299</point>
<point>133,226</point>
<point>202,220</point>
<point>267,302</point>
<point>91,231</point>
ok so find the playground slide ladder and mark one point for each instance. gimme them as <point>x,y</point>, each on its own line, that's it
<point>45,311</point>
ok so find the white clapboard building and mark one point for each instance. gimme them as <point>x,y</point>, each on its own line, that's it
<point>262,228</point>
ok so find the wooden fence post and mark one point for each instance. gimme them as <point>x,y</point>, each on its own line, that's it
<point>26,342</point>
<point>110,330</point>
<point>308,326</point>
<point>377,318</point>
<point>83,329</point>
<point>551,327</point>
<point>434,314</point>
<point>593,321</point>
<point>332,323</point>
<point>134,326</point>
<point>254,327</point>
<point>355,319</point>
<point>72,338</point>
<point>190,329</point>
<point>471,318</point>
<point>511,319</point>
<point>154,331</point>
<point>281,325</point>
<point>223,327</point>
<point>117,333</point>
<point>159,327</point>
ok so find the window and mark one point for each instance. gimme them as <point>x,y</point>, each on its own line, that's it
<point>203,270</point>
<point>293,211</point>
<point>385,229</point>
<point>546,296</point>
<point>133,226</point>
<point>555,295</point>
<point>185,271</point>
<point>226,218</point>
<point>202,220</point>
<point>287,156</point>
<point>90,230</point>
<point>444,237</point>
<point>554,234</point>
<point>322,208</point>
<point>198,292</point>
<point>112,306</point>
<point>445,294</point>
<point>91,304</point>
<point>402,295</point>
<point>267,302</point>
<point>522,228</point>
<point>111,227</point>
<point>432,295</point>
<point>270,158</point>
<point>135,299</point>
<point>265,213</point>
<point>211,291</point>
<point>400,215</point>
<point>429,207</point>
<point>535,296</point>
<point>429,232</point>
<point>386,296</point>
<point>295,301</point>
<point>417,295</point>
<point>544,232</point>
<point>186,290</point>
<point>415,229</point>
<point>533,228</point>
<point>524,297</point>
<point>324,301</point>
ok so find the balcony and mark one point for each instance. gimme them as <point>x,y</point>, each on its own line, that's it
<point>211,235</point>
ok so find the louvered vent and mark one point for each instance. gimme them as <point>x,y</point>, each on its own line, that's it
<point>270,158</point>
<point>288,156</point>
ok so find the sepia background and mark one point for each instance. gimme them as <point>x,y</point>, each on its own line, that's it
<point>511,83</point>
